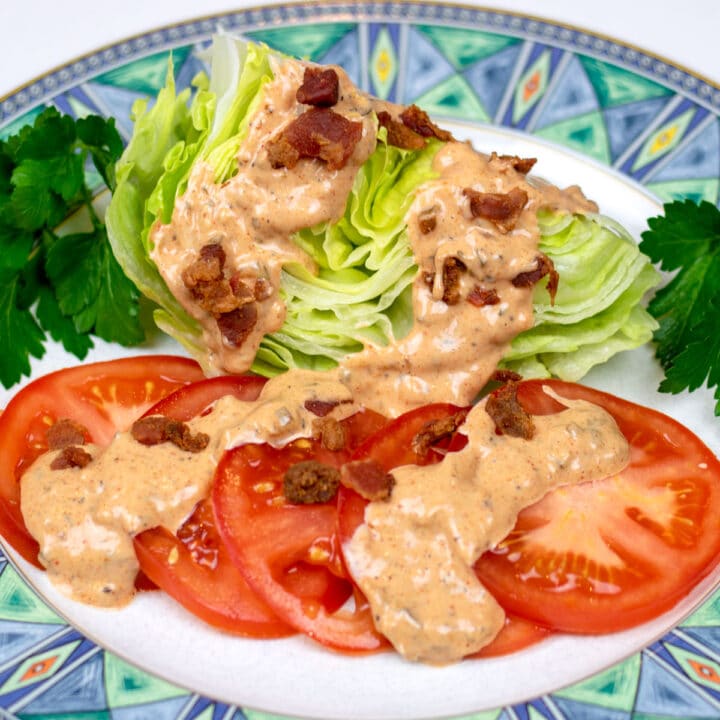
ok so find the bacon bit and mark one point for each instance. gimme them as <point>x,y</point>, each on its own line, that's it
<point>64,432</point>
<point>502,375</point>
<point>452,272</point>
<point>545,267</point>
<point>435,430</point>
<point>521,165</point>
<point>71,456</point>
<point>158,429</point>
<point>330,433</point>
<point>310,482</point>
<point>262,289</point>
<point>399,135</point>
<point>368,479</point>
<point>321,407</point>
<point>235,326</point>
<point>427,221</point>
<point>205,280</point>
<point>502,209</point>
<point>320,87</point>
<point>241,291</point>
<point>207,268</point>
<point>509,416</point>
<point>479,297</point>
<point>419,121</point>
<point>317,133</point>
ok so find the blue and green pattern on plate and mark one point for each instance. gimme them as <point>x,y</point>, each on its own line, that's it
<point>654,123</point>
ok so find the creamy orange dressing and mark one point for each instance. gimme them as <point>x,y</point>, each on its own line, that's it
<point>413,555</point>
<point>452,350</point>
<point>85,518</point>
<point>254,214</point>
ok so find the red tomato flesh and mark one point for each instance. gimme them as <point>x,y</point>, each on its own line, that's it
<point>104,397</point>
<point>272,541</point>
<point>604,556</point>
<point>193,566</point>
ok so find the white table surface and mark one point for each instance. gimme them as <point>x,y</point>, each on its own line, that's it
<point>39,35</point>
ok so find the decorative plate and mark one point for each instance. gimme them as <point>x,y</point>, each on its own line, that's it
<point>655,126</point>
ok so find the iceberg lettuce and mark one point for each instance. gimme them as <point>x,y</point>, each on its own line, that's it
<point>362,291</point>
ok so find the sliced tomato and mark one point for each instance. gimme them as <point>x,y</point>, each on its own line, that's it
<point>193,566</point>
<point>607,555</point>
<point>517,633</point>
<point>196,571</point>
<point>104,397</point>
<point>195,399</point>
<point>392,445</point>
<point>273,542</point>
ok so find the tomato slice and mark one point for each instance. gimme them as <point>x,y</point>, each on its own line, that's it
<point>517,634</point>
<point>196,571</point>
<point>273,542</point>
<point>392,445</point>
<point>193,566</point>
<point>195,399</point>
<point>104,397</point>
<point>604,556</point>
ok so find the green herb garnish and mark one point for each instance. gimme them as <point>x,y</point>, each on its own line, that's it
<point>66,286</point>
<point>687,239</point>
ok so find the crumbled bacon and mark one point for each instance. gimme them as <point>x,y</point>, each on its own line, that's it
<point>419,121</point>
<point>262,289</point>
<point>230,301</point>
<point>71,456</point>
<point>508,414</point>
<point>207,268</point>
<point>398,134</point>
<point>503,375</point>
<point>236,326</point>
<point>317,133</point>
<point>435,430</point>
<point>521,165</point>
<point>427,221</point>
<point>502,209</point>
<point>330,433</point>
<point>157,429</point>
<point>321,408</point>
<point>451,274</point>
<point>64,432</point>
<point>479,297</point>
<point>544,267</point>
<point>367,478</point>
<point>320,87</point>
<point>206,281</point>
<point>310,482</point>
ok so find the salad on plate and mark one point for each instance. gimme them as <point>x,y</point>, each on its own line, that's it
<point>380,440</point>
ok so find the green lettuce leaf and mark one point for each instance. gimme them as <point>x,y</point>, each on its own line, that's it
<point>362,292</point>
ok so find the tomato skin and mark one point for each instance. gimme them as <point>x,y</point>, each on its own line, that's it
<point>104,397</point>
<point>624,549</point>
<point>265,536</point>
<point>193,399</point>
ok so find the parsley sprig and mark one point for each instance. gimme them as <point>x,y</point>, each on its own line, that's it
<point>67,286</point>
<point>686,238</point>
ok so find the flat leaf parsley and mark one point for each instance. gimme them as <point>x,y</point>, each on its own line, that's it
<point>687,239</point>
<point>66,286</point>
